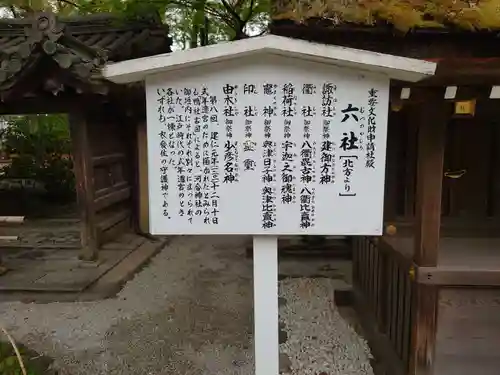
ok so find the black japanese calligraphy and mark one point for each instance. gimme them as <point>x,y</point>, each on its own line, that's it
<point>327,156</point>
<point>347,170</point>
<point>350,112</point>
<point>349,141</point>
<point>372,127</point>
<point>289,100</point>
<point>231,168</point>
<point>250,112</point>
<point>166,117</point>
<point>268,180</point>
<point>307,170</point>
<point>328,100</point>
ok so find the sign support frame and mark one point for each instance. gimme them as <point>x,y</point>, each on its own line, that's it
<point>266,313</point>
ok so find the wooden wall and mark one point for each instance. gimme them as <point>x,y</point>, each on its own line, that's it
<point>104,150</point>
<point>113,172</point>
<point>468,334</point>
<point>471,146</point>
<point>423,43</point>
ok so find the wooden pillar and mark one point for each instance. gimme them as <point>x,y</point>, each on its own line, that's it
<point>142,156</point>
<point>432,113</point>
<point>84,176</point>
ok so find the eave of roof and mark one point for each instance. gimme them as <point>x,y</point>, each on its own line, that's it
<point>77,46</point>
<point>395,67</point>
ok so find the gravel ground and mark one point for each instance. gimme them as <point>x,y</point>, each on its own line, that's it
<point>317,333</point>
<point>188,312</point>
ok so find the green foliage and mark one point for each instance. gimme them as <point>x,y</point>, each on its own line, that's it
<point>192,22</point>
<point>9,364</point>
<point>403,14</point>
<point>41,148</point>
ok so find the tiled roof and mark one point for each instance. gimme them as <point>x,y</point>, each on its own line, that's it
<point>75,48</point>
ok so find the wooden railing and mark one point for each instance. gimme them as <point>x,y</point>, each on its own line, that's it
<point>382,280</point>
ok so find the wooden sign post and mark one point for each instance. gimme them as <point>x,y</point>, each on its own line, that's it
<point>266,137</point>
<point>265,295</point>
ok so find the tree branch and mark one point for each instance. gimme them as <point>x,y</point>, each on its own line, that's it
<point>13,11</point>
<point>250,11</point>
<point>69,3</point>
<point>231,11</point>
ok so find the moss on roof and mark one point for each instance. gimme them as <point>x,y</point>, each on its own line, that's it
<point>403,14</point>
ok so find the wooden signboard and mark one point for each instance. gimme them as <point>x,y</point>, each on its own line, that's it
<point>267,147</point>
<point>267,136</point>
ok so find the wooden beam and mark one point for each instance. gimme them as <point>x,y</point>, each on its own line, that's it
<point>111,198</point>
<point>433,117</point>
<point>453,276</point>
<point>379,342</point>
<point>48,104</point>
<point>110,189</point>
<point>432,114</point>
<point>84,175</point>
<point>107,159</point>
<point>11,220</point>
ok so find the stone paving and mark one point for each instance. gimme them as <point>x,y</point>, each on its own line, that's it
<point>189,312</point>
<point>45,258</point>
<point>45,233</point>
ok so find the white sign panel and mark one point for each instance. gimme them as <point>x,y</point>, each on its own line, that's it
<point>277,146</point>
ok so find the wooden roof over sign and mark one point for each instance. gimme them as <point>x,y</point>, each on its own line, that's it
<point>50,54</point>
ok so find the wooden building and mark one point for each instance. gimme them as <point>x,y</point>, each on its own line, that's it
<point>428,290</point>
<point>51,65</point>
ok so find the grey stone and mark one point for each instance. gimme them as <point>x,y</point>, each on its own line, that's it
<point>281,301</point>
<point>283,336</point>
<point>285,363</point>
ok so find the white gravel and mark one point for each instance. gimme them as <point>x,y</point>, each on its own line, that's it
<point>189,312</point>
<point>319,340</point>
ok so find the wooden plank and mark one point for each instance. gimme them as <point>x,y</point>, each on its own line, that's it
<point>454,227</point>
<point>376,281</point>
<point>355,261</point>
<point>381,289</point>
<point>410,175</point>
<point>9,238</point>
<point>392,163</point>
<point>118,186</point>
<point>384,292</point>
<point>362,267</point>
<point>468,334</point>
<point>431,147</point>
<point>373,282</point>
<point>386,246</point>
<point>84,184</point>
<point>400,313</point>
<point>470,140</point>
<point>369,290</point>
<point>390,293</point>
<point>112,198</point>
<point>114,232</point>
<point>407,321</point>
<point>107,159</point>
<point>113,219</point>
<point>430,158</point>
<point>11,220</point>
<point>452,276</point>
<point>379,343</point>
<point>394,303</point>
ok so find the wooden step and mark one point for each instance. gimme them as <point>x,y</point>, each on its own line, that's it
<point>11,220</point>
